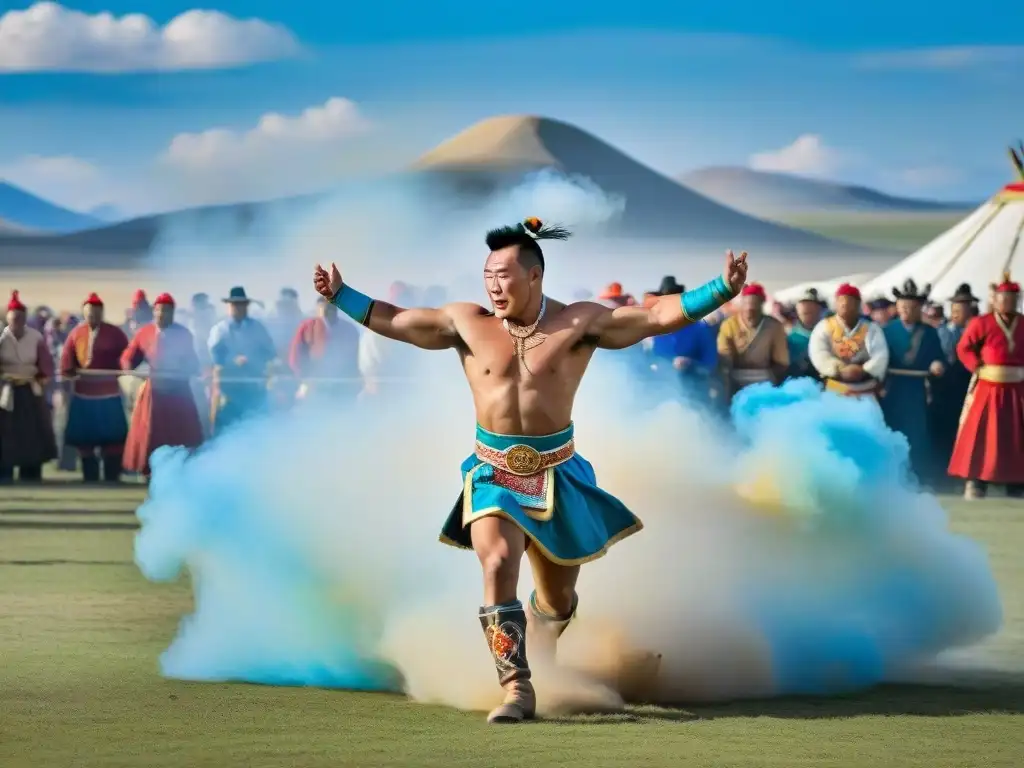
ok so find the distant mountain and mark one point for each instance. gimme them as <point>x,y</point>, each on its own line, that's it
<point>497,152</point>
<point>769,195</point>
<point>25,210</point>
<point>10,228</point>
<point>119,244</point>
<point>107,212</point>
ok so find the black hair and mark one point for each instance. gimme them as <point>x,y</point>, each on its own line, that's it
<point>526,235</point>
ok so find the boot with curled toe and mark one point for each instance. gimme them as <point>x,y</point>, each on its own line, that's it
<point>505,631</point>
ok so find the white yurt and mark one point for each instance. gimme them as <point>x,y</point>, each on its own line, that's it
<point>977,251</point>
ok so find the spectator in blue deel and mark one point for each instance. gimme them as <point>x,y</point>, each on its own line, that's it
<point>691,350</point>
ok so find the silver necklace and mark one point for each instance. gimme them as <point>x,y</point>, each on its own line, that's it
<point>526,337</point>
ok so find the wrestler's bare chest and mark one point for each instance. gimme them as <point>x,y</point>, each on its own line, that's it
<point>529,395</point>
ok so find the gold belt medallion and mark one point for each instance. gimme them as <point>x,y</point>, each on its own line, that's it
<point>522,460</point>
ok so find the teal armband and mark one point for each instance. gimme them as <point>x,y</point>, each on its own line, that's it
<point>354,304</point>
<point>704,300</point>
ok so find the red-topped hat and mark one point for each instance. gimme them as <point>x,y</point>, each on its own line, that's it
<point>138,297</point>
<point>93,300</point>
<point>1007,285</point>
<point>753,289</point>
<point>848,290</point>
<point>164,298</point>
<point>15,305</point>
<point>612,291</point>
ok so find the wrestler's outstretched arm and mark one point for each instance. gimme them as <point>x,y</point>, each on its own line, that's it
<point>427,328</point>
<point>625,326</point>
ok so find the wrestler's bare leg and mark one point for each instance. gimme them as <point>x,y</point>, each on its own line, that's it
<point>499,545</point>
<point>552,605</point>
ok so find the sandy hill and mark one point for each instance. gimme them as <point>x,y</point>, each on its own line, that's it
<point>496,152</point>
<point>28,211</point>
<point>764,194</point>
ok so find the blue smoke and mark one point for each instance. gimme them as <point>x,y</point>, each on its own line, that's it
<point>265,609</point>
<point>892,586</point>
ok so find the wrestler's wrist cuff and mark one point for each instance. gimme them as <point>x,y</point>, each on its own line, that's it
<point>702,301</point>
<point>354,304</point>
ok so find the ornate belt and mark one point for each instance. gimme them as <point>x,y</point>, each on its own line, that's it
<point>751,375</point>
<point>1002,374</point>
<point>851,387</point>
<point>524,459</point>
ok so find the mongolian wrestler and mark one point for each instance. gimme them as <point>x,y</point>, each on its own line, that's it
<point>525,489</point>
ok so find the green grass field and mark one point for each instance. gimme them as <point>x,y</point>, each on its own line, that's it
<point>81,630</point>
<point>891,231</point>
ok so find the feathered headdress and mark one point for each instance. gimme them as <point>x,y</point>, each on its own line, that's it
<point>526,233</point>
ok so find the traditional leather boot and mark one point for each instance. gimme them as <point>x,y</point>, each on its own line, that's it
<point>544,629</point>
<point>90,469</point>
<point>505,630</point>
<point>112,468</point>
<point>31,474</point>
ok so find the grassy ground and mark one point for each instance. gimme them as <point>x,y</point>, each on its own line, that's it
<point>80,633</point>
<point>899,232</point>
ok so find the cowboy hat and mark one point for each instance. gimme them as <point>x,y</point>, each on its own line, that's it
<point>910,292</point>
<point>669,287</point>
<point>236,296</point>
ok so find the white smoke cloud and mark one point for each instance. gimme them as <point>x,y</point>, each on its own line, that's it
<point>393,226</point>
<point>772,561</point>
<point>49,37</point>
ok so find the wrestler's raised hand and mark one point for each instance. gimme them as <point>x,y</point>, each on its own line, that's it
<point>327,284</point>
<point>735,270</point>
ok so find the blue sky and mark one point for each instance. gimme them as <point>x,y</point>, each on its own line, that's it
<point>913,98</point>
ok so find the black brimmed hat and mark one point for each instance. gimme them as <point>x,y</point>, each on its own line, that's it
<point>963,295</point>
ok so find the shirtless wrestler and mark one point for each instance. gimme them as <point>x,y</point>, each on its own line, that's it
<point>525,489</point>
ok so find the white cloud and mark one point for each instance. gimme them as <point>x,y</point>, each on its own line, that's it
<point>335,120</point>
<point>49,37</point>
<point>281,155</point>
<point>807,156</point>
<point>943,58</point>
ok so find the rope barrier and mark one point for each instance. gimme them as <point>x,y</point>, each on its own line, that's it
<point>101,373</point>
